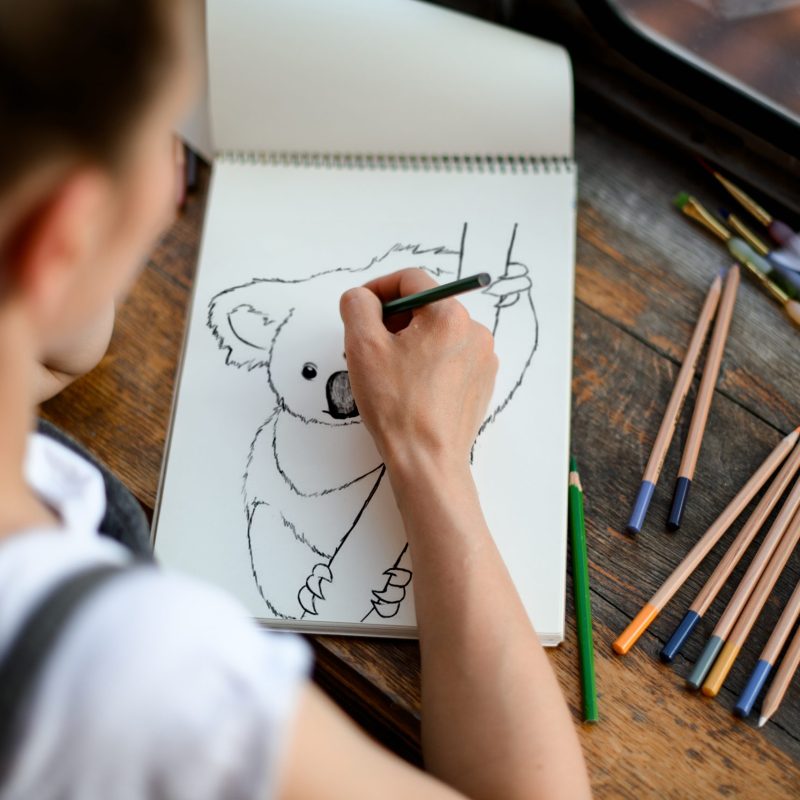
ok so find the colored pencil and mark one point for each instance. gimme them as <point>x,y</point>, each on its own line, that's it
<point>766,583</point>
<point>583,606</point>
<point>755,571</point>
<point>787,280</point>
<point>779,231</point>
<point>705,395</point>
<point>705,597</point>
<point>412,301</point>
<point>769,655</point>
<point>676,400</point>
<point>651,609</point>
<point>791,307</point>
<point>781,259</point>
<point>783,677</point>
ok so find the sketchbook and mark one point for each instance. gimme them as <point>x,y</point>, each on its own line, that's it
<point>353,139</point>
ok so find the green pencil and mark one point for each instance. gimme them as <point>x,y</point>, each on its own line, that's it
<point>580,579</point>
<point>420,299</point>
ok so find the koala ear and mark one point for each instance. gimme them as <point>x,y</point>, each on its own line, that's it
<point>241,324</point>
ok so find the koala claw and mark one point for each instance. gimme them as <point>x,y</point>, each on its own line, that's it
<point>398,576</point>
<point>385,610</point>
<point>308,594</point>
<point>387,601</point>
<point>307,601</point>
<point>391,594</point>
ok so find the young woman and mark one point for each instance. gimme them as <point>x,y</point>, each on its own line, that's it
<point>158,686</point>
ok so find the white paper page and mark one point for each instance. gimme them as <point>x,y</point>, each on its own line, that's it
<point>196,128</point>
<point>236,447</point>
<point>382,76</point>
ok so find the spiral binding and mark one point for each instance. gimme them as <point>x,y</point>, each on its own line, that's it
<point>412,163</point>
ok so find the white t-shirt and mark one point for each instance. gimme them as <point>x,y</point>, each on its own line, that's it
<point>160,686</point>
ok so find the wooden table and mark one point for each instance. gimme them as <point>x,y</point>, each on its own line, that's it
<point>642,272</point>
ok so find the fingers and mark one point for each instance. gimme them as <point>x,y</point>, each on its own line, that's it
<point>506,286</point>
<point>362,314</point>
<point>401,284</point>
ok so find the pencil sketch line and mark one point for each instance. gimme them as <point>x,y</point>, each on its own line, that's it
<point>249,333</point>
<point>398,577</point>
<point>255,571</point>
<point>461,250</point>
<point>320,493</point>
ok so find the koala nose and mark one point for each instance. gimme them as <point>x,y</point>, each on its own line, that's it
<point>341,404</point>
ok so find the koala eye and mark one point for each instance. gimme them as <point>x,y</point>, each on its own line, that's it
<point>309,371</point>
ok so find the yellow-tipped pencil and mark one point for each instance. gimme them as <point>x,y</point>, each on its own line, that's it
<point>653,607</point>
<point>723,630</point>
<point>741,630</point>
<point>705,597</point>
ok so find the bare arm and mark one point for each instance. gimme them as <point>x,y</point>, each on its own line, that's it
<point>495,724</point>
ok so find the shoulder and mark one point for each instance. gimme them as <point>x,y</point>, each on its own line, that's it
<point>183,635</point>
<point>165,680</point>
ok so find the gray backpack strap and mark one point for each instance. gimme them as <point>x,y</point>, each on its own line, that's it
<point>27,654</point>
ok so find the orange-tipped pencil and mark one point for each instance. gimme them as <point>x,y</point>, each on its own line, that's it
<point>705,597</point>
<point>741,630</point>
<point>769,655</point>
<point>705,394</point>
<point>652,608</point>
<point>755,571</point>
<point>674,406</point>
<point>783,677</point>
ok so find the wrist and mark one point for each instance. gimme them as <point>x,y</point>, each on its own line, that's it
<point>417,470</point>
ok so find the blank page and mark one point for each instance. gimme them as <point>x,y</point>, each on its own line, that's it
<point>395,76</point>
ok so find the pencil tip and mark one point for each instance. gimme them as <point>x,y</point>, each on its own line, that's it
<point>573,464</point>
<point>762,721</point>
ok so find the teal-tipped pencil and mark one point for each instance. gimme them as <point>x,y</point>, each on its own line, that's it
<point>420,299</point>
<point>580,579</point>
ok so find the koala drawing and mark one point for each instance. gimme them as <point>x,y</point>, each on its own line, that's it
<point>316,502</point>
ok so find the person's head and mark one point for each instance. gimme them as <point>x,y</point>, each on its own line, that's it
<point>90,92</point>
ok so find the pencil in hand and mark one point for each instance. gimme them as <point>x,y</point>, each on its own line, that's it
<point>412,301</point>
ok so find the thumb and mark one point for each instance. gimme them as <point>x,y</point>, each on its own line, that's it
<point>362,314</point>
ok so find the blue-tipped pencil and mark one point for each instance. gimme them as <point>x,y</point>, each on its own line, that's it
<point>705,395</point>
<point>729,633</point>
<point>769,655</point>
<point>705,597</point>
<point>676,401</point>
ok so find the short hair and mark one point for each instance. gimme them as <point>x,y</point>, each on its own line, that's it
<point>75,75</point>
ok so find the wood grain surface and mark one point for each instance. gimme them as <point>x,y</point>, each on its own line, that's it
<point>642,272</point>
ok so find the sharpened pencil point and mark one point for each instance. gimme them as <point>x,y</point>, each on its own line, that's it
<point>762,721</point>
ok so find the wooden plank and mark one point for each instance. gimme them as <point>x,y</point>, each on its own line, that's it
<point>646,267</point>
<point>638,296</point>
